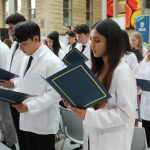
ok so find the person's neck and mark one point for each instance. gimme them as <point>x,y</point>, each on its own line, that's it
<point>105,60</point>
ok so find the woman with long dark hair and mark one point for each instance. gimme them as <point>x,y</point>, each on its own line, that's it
<point>110,125</point>
<point>54,44</point>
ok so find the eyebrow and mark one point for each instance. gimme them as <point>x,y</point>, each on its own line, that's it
<point>95,37</point>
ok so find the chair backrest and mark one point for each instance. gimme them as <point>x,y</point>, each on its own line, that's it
<point>139,139</point>
<point>72,124</point>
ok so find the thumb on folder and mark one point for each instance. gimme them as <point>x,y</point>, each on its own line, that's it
<point>21,107</point>
<point>79,112</point>
<point>7,83</point>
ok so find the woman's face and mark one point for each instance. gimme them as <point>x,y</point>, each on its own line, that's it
<point>49,43</point>
<point>134,42</point>
<point>98,43</point>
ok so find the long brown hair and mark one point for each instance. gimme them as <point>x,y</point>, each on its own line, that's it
<point>113,34</point>
<point>138,36</point>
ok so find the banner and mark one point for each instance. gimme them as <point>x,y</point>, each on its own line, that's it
<point>142,26</point>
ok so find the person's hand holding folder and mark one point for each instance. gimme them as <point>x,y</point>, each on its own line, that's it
<point>7,83</point>
<point>14,98</point>
<point>5,78</point>
<point>21,107</point>
<point>79,112</point>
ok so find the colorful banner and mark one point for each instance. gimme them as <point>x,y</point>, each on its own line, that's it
<point>110,8</point>
<point>142,26</point>
<point>133,9</point>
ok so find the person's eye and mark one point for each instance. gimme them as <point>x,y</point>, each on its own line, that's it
<point>97,40</point>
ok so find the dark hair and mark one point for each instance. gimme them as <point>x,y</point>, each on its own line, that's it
<point>54,36</point>
<point>125,42</point>
<point>72,34</point>
<point>113,34</point>
<point>15,18</point>
<point>83,28</point>
<point>8,42</point>
<point>69,27</point>
<point>26,30</point>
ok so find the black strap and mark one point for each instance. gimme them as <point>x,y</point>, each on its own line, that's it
<point>88,144</point>
<point>28,65</point>
<point>15,49</point>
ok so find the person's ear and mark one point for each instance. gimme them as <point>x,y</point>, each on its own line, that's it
<point>36,38</point>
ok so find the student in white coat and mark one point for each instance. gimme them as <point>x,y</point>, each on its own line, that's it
<point>72,41</point>
<point>54,44</point>
<point>15,60</point>
<point>39,115</point>
<point>109,126</point>
<point>129,57</point>
<point>7,128</point>
<point>144,73</point>
<point>83,41</point>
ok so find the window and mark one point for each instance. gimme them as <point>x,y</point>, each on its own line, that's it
<point>67,12</point>
<point>33,13</point>
<point>147,4</point>
<point>89,12</point>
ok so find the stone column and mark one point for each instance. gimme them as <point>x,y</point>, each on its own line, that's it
<point>78,12</point>
<point>97,10</point>
<point>49,15</point>
<point>2,13</point>
<point>26,9</point>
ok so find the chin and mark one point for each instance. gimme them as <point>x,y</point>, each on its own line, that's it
<point>97,56</point>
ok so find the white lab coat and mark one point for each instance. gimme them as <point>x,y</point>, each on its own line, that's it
<point>144,73</point>
<point>111,127</point>
<point>43,114</point>
<point>61,54</point>
<point>86,52</point>
<point>4,52</point>
<point>17,59</point>
<point>14,65</point>
<point>131,60</point>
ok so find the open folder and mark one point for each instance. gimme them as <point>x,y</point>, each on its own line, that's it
<point>6,75</point>
<point>144,84</point>
<point>78,86</point>
<point>73,57</point>
<point>12,97</point>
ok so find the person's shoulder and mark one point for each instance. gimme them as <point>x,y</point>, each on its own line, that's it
<point>122,66</point>
<point>3,46</point>
<point>48,55</point>
<point>123,71</point>
<point>131,55</point>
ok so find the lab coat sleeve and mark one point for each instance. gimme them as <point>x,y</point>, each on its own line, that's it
<point>134,64</point>
<point>121,112</point>
<point>48,99</point>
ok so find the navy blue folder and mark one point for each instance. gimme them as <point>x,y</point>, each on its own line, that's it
<point>6,75</point>
<point>144,84</point>
<point>73,57</point>
<point>78,86</point>
<point>12,97</point>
